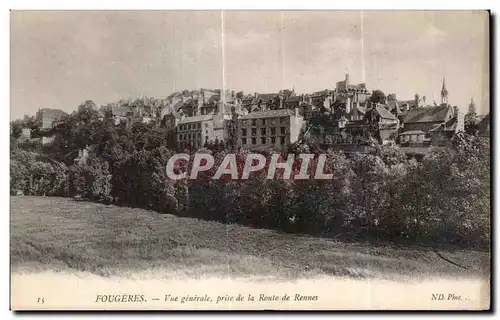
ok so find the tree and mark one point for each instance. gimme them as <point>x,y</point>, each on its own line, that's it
<point>377,97</point>
<point>16,128</point>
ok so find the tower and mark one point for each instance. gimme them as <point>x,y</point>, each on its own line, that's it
<point>472,107</point>
<point>444,93</point>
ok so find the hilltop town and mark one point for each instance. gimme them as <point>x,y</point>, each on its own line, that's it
<point>347,117</point>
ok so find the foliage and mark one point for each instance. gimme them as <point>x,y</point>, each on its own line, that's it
<point>90,180</point>
<point>377,96</point>
<point>445,198</point>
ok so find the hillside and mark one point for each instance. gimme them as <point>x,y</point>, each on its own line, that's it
<point>64,234</point>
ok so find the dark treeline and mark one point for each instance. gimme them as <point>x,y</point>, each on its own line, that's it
<point>381,195</point>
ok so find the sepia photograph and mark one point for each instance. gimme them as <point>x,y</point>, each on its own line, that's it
<point>250,160</point>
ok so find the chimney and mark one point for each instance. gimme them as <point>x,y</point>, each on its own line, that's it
<point>348,105</point>
<point>417,100</point>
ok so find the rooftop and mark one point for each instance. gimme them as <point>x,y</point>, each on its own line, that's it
<point>412,132</point>
<point>384,113</point>
<point>204,117</point>
<point>427,114</point>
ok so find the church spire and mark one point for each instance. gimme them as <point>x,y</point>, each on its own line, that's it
<point>444,93</point>
<point>472,107</point>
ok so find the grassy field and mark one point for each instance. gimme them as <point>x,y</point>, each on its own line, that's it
<point>63,234</point>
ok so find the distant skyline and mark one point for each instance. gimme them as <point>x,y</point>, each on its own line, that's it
<point>62,58</point>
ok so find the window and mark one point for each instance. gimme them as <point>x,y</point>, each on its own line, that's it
<point>282,140</point>
<point>243,132</point>
<point>273,140</point>
<point>254,122</point>
<point>263,131</point>
<point>206,131</point>
<point>273,121</point>
<point>282,120</point>
<point>206,125</point>
<point>263,140</point>
<point>244,141</point>
<point>254,132</point>
<point>199,125</point>
<point>263,122</point>
<point>282,130</point>
<point>206,138</point>
<point>254,141</point>
<point>273,131</point>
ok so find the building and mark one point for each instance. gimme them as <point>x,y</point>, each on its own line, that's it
<point>352,96</point>
<point>387,124</point>
<point>195,131</point>
<point>444,94</point>
<point>484,126</point>
<point>211,122</point>
<point>442,133</point>
<point>424,119</point>
<point>48,118</point>
<point>414,138</point>
<point>270,129</point>
<point>321,99</point>
<point>119,114</point>
<point>406,105</point>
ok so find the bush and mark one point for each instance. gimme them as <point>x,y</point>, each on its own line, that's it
<point>33,175</point>
<point>91,180</point>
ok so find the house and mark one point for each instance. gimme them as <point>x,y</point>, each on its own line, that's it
<point>426,118</point>
<point>195,131</point>
<point>388,124</point>
<point>415,138</point>
<point>48,118</point>
<point>119,114</point>
<point>269,129</point>
<point>442,133</point>
<point>321,99</point>
<point>264,101</point>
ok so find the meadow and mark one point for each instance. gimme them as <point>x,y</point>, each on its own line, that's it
<point>64,234</point>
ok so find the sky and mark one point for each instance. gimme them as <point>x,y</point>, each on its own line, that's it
<point>61,58</point>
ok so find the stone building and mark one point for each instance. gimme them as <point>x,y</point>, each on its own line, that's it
<point>270,129</point>
<point>47,117</point>
<point>353,96</point>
